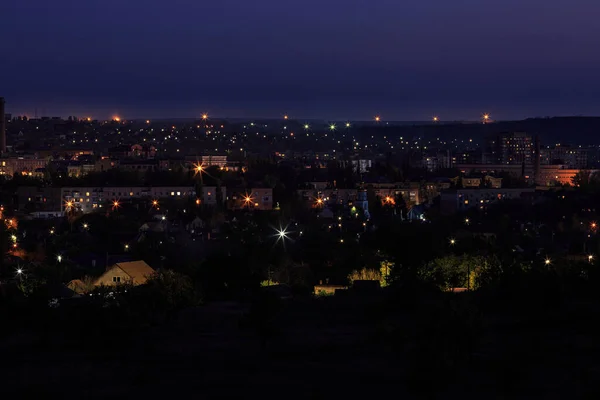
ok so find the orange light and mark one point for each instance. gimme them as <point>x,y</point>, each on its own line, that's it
<point>155,203</point>
<point>377,118</point>
<point>197,202</point>
<point>435,119</point>
<point>285,117</point>
<point>116,119</point>
<point>205,116</point>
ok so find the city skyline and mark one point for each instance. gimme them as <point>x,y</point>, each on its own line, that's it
<point>339,60</point>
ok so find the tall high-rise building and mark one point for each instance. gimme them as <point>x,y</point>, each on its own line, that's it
<point>511,149</point>
<point>2,127</point>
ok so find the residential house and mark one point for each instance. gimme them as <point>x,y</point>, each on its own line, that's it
<point>132,273</point>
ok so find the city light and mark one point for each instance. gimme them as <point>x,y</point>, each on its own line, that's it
<point>155,203</point>
<point>547,261</point>
<point>204,117</point>
<point>126,247</point>
<point>332,127</point>
<point>59,258</point>
<point>435,119</point>
<point>85,226</point>
<point>467,221</point>
<point>115,204</point>
<point>282,234</point>
<point>593,225</point>
<point>19,271</point>
<point>116,119</point>
<point>285,117</point>
<point>347,124</point>
<point>306,126</point>
<point>377,118</point>
<point>68,205</point>
<point>485,117</point>
<point>590,258</point>
<point>452,241</point>
<point>198,168</point>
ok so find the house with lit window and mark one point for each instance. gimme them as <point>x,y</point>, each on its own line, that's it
<point>125,273</point>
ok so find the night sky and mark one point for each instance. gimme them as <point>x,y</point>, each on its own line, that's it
<point>329,59</point>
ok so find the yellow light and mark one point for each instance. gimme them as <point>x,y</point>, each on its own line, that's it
<point>116,119</point>
<point>154,203</point>
<point>347,124</point>
<point>377,118</point>
<point>547,261</point>
<point>435,119</point>
<point>205,116</point>
<point>115,204</point>
<point>285,117</point>
<point>332,127</point>
<point>306,126</point>
<point>89,119</point>
<point>197,202</point>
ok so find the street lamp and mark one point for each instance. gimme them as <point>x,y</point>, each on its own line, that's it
<point>332,127</point>
<point>590,258</point>
<point>85,226</point>
<point>467,221</point>
<point>452,241</point>
<point>377,118</point>
<point>547,261</point>
<point>59,258</point>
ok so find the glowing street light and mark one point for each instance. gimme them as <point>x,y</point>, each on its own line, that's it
<point>282,234</point>
<point>485,117</point>
<point>154,203</point>
<point>377,118</point>
<point>306,126</point>
<point>347,124</point>
<point>19,271</point>
<point>115,204</point>
<point>590,258</point>
<point>116,119</point>
<point>68,205</point>
<point>126,247</point>
<point>467,221</point>
<point>332,127</point>
<point>204,117</point>
<point>593,225</point>
<point>547,261</point>
<point>198,168</point>
<point>452,241</point>
<point>285,117</point>
<point>59,258</point>
<point>85,226</point>
<point>435,119</point>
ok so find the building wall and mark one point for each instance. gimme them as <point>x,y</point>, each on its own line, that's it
<point>464,199</point>
<point>261,199</point>
<point>88,199</point>
<point>39,198</point>
<point>11,165</point>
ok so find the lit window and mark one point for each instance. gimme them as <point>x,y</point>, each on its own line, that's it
<point>172,193</point>
<point>87,193</point>
<point>178,193</point>
<point>131,193</point>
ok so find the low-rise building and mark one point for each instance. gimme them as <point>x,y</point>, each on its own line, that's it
<point>126,273</point>
<point>251,199</point>
<point>462,199</point>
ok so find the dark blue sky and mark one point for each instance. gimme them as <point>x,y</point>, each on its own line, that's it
<point>330,59</point>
